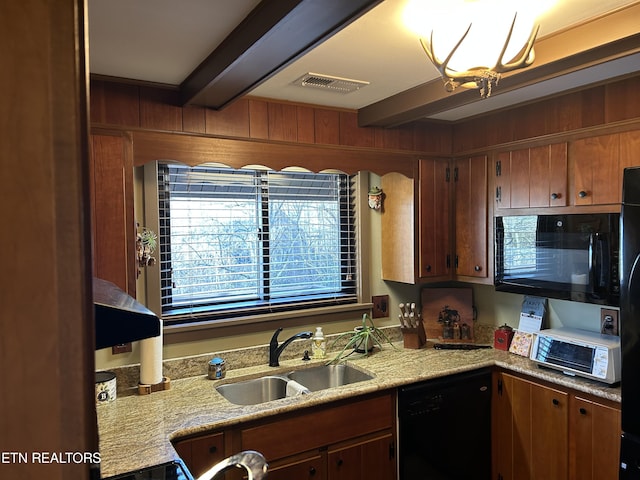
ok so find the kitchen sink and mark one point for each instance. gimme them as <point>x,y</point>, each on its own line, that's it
<point>327,376</point>
<point>257,390</point>
<point>273,387</point>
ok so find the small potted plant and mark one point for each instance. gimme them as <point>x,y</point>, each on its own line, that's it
<point>361,340</point>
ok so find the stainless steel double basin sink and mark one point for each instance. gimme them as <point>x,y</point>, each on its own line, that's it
<point>297,382</point>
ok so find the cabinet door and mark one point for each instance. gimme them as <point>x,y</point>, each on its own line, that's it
<point>502,170</point>
<point>530,434</point>
<point>369,458</point>
<point>548,176</point>
<point>549,433</point>
<point>202,453</point>
<point>595,172</point>
<point>520,176</point>
<point>435,225</point>
<point>398,229</point>
<point>594,448</point>
<point>532,177</point>
<point>502,427</point>
<point>113,225</point>
<point>308,467</point>
<point>470,177</point>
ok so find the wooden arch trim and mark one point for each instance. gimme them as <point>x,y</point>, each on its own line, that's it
<point>237,153</point>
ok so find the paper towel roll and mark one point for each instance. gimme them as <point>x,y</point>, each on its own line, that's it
<point>579,278</point>
<point>151,360</point>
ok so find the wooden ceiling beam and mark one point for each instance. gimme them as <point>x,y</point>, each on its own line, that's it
<point>601,40</point>
<point>273,35</point>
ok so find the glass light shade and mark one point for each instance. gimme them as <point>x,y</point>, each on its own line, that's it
<point>445,23</point>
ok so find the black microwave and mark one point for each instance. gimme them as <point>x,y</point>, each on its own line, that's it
<point>570,257</point>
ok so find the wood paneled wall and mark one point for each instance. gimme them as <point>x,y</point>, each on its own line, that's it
<point>595,107</point>
<point>138,107</point>
<point>47,402</point>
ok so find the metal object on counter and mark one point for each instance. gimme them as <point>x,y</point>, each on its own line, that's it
<point>105,387</point>
<point>217,368</point>
<point>502,337</point>
<point>253,462</point>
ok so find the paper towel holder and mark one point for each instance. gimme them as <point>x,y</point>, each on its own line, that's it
<point>165,384</point>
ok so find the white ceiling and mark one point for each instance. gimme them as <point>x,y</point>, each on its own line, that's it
<point>163,41</point>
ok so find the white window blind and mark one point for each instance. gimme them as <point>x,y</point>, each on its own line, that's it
<point>234,242</point>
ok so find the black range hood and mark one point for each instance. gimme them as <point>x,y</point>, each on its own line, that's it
<point>119,317</point>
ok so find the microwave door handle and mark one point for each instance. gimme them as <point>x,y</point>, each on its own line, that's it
<point>599,271</point>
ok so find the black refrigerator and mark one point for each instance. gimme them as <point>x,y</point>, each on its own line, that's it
<point>630,323</point>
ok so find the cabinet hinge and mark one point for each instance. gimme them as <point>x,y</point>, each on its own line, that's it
<point>499,386</point>
<point>456,262</point>
<point>498,168</point>
<point>498,194</point>
<point>455,174</point>
<point>448,260</point>
<point>447,175</point>
<point>392,450</point>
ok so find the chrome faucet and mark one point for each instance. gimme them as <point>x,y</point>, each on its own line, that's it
<point>275,350</point>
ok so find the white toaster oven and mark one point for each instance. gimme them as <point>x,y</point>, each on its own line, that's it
<point>579,352</point>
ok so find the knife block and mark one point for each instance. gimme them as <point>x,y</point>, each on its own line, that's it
<point>414,337</point>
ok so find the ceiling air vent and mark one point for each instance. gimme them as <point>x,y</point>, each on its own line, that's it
<point>328,82</point>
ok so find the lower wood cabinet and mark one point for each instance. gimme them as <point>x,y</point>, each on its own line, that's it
<point>351,440</point>
<point>201,453</point>
<point>545,432</point>
<point>594,447</point>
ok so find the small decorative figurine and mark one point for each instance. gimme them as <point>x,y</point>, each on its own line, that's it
<point>375,198</point>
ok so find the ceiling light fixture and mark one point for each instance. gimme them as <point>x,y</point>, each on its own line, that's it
<point>496,40</point>
<point>483,78</point>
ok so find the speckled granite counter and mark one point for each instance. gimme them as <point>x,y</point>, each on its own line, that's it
<point>136,431</point>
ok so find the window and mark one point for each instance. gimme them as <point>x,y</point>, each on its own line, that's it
<point>237,242</point>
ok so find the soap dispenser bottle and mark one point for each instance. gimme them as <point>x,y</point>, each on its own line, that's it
<point>318,344</point>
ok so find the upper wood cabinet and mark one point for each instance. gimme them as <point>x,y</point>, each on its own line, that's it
<point>435,218</point>
<point>112,217</point>
<point>470,180</point>
<point>452,204</point>
<point>531,177</point>
<point>595,170</point>
<point>398,224</point>
<point>596,165</point>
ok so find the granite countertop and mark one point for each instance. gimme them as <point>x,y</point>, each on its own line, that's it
<point>136,431</point>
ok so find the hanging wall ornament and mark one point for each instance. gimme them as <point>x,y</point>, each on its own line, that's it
<point>375,198</point>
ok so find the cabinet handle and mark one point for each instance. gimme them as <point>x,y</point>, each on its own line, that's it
<point>582,194</point>
<point>213,449</point>
<point>312,471</point>
<point>556,401</point>
<point>554,196</point>
<point>477,268</point>
<point>339,462</point>
<point>428,268</point>
<point>583,411</point>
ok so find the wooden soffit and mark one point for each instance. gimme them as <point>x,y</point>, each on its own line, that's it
<point>610,37</point>
<point>238,153</point>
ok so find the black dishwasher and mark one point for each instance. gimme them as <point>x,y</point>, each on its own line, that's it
<point>444,428</point>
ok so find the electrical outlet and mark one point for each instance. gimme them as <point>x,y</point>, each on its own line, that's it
<point>380,306</point>
<point>122,348</point>
<point>609,321</point>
